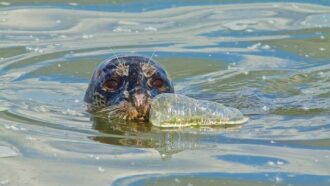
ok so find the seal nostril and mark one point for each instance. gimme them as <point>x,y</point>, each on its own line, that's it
<point>139,99</point>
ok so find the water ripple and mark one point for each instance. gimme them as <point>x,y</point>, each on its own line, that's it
<point>269,60</point>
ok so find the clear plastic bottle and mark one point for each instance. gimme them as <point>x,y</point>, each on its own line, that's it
<point>174,110</point>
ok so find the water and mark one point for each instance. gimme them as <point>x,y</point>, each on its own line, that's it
<point>270,60</point>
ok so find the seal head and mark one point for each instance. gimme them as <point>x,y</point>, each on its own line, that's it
<point>125,86</point>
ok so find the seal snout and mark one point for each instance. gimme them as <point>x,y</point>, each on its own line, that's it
<point>140,100</point>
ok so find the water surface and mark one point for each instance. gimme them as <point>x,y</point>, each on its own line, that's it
<point>270,60</point>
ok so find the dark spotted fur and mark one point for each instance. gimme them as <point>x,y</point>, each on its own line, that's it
<point>136,80</point>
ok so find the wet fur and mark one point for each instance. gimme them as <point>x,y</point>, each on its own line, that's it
<point>136,73</point>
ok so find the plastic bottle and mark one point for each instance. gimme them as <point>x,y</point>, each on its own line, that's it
<point>174,110</point>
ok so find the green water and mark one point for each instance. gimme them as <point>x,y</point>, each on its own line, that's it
<point>270,60</point>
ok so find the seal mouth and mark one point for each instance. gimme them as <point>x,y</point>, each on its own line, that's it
<point>142,112</point>
<point>140,102</point>
<point>127,111</point>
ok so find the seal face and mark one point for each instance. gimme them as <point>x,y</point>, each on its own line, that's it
<point>125,86</point>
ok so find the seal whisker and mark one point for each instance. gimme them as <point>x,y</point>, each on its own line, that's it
<point>114,53</point>
<point>152,55</point>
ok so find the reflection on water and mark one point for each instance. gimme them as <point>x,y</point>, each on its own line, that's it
<point>270,60</point>
<point>143,135</point>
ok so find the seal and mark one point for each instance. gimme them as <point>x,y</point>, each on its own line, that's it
<point>124,86</point>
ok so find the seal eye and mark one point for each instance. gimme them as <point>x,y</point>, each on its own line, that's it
<point>112,84</point>
<point>157,83</point>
